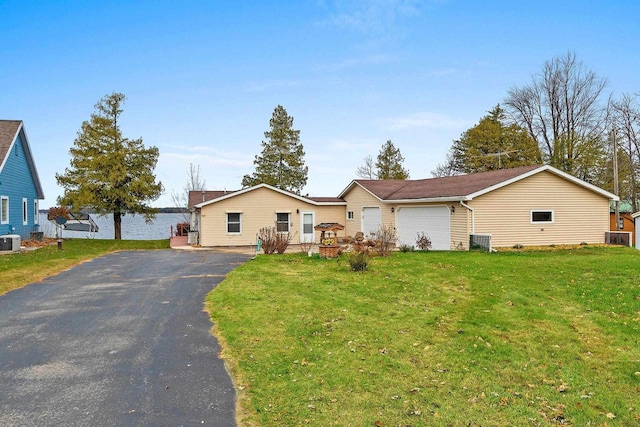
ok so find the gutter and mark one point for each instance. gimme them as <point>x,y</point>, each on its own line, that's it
<point>473,216</point>
<point>425,200</point>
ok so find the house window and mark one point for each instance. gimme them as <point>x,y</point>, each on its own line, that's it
<point>4,210</point>
<point>621,224</point>
<point>36,211</point>
<point>541,217</point>
<point>234,223</point>
<point>350,215</point>
<point>282,222</point>
<point>25,218</point>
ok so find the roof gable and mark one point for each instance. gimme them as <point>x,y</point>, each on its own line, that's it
<point>218,196</point>
<point>10,130</point>
<point>460,187</point>
<point>197,196</point>
<point>8,134</point>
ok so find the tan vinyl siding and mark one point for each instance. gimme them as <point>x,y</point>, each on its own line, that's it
<point>358,198</point>
<point>580,215</point>
<point>460,227</point>
<point>258,209</point>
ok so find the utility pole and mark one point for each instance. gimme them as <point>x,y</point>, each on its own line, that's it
<point>616,189</point>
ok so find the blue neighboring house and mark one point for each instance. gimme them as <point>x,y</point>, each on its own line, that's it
<point>20,188</point>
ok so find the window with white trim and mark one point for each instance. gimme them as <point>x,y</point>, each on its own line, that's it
<point>282,222</point>
<point>234,223</point>
<point>542,216</point>
<point>25,218</point>
<point>36,211</point>
<point>350,215</point>
<point>4,210</point>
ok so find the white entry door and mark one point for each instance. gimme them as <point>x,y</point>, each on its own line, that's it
<point>371,221</point>
<point>307,233</point>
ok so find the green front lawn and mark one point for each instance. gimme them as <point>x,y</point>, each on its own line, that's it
<point>19,269</point>
<point>436,338</point>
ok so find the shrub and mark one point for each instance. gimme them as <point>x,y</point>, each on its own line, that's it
<point>305,247</point>
<point>406,248</point>
<point>359,261</point>
<point>385,240</point>
<point>423,241</point>
<point>58,212</point>
<point>282,242</point>
<point>268,236</point>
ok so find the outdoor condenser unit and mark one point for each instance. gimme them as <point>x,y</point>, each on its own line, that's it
<point>10,242</point>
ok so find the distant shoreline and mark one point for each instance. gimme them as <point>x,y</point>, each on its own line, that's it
<point>160,210</point>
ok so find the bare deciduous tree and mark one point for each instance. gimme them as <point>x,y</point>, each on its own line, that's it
<point>626,122</point>
<point>561,109</point>
<point>194,183</point>
<point>446,168</point>
<point>368,169</point>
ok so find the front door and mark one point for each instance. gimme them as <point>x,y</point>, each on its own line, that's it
<point>307,234</point>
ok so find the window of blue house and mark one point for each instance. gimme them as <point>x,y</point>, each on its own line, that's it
<point>36,211</point>
<point>25,218</point>
<point>4,210</point>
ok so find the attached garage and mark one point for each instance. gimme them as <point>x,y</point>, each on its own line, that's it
<point>433,221</point>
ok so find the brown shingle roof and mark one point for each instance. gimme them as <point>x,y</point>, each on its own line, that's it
<point>8,131</point>
<point>196,197</point>
<point>451,186</point>
<point>326,199</point>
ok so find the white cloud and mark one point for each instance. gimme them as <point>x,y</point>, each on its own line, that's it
<point>444,72</point>
<point>355,145</point>
<point>262,86</point>
<point>205,160</point>
<point>371,16</point>
<point>424,119</point>
<point>357,62</point>
<point>198,154</point>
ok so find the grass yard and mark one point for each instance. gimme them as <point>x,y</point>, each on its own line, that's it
<point>436,338</point>
<point>22,268</point>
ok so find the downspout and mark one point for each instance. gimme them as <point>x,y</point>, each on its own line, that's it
<point>473,216</point>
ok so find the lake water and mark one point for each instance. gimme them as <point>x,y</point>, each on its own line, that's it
<point>133,227</point>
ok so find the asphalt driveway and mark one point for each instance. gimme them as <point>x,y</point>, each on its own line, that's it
<point>120,340</point>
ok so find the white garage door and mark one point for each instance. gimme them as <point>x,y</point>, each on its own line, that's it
<point>371,221</point>
<point>433,221</point>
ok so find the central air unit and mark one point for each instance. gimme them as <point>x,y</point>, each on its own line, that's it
<point>10,242</point>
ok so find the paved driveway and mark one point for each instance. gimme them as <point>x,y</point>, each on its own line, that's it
<point>120,340</point>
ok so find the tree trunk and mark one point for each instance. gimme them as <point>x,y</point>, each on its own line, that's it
<point>117,225</point>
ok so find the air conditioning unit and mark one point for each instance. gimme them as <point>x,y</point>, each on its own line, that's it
<point>10,242</point>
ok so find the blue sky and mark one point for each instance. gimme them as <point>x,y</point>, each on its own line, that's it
<point>202,78</point>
